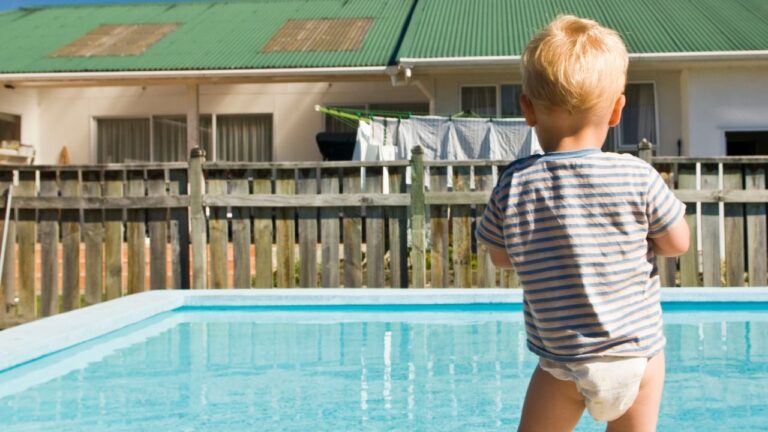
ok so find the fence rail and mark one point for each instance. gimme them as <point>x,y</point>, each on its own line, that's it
<point>81,235</point>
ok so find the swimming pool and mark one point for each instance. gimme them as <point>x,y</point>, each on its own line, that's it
<point>348,360</point>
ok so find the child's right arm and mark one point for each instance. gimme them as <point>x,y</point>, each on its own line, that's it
<point>667,229</point>
<point>675,240</point>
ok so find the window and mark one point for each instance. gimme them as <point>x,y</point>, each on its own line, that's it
<point>481,100</point>
<point>123,140</point>
<point>510,100</point>
<point>746,143</point>
<point>240,137</point>
<point>169,137</point>
<point>638,119</point>
<point>244,137</point>
<point>10,127</point>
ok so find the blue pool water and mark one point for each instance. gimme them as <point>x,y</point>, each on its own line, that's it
<point>444,368</point>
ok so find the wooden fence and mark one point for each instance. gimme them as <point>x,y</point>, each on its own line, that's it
<point>314,224</point>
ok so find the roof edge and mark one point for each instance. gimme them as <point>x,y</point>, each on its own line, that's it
<point>190,74</point>
<point>633,57</point>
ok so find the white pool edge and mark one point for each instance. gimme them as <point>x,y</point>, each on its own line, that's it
<point>27,342</point>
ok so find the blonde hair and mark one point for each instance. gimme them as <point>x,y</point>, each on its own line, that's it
<point>575,64</point>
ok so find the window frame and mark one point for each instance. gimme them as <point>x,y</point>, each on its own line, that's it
<point>497,86</point>
<point>618,145</point>
<point>94,147</point>
<point>497,89</point>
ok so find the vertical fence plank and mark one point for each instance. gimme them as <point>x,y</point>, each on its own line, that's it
<point>438,177</point>
<point>689,261</point>
<point>26,231</point>
<point>398,232</point>
<point>93,234</point>
<point>462,231</point>
<point>353,233</point>
<point>734,229</point>
<point>179,231</point>
<point>710,229</point>
<point>285,184</point>
<point>418,262</point>
<point>49,247</point>
<point>241,233</point>
<point>197,219</point>
<point>158,232</point>
<point>666,265</point>
<point>486,272</point>
<point>757,249</point>
<point>136,233</point>
<point>329,230</point>
<point>8,267</point>
<point>262,230</point>
<point>113,229</point>
<point>218,229</point>
<point>374,231</point>
<point>307,185</point>
<point>70,241</point>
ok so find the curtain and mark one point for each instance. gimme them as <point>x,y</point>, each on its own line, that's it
<point>170,137</point>
<point>244,137</point>
<point>480,101</point>
<point>122,140</point>
<point>510,100</point>
<point>639,115</point>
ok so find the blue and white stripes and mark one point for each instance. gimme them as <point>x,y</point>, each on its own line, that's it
<point>576,227</point>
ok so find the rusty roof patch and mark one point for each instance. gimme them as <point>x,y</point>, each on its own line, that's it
<point>116,40</point>
<point>319,35</point>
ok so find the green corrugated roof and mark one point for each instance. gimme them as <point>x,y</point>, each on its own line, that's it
<point>211,35</point>
<point>230,34</point>
<point>468,28</point>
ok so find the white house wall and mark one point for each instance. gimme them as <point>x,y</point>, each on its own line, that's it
<point>448,97</point>
<point>724,99</point>
<point>66,115</point>
<point>22,102</point>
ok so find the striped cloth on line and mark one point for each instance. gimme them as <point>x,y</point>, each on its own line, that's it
<point>576,226</point>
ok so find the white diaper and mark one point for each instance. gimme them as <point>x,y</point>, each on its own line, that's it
<point>609,384</point>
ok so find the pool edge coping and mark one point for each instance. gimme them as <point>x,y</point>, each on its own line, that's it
<point>29,341</point>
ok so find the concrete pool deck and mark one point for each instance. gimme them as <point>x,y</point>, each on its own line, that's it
<point>30,341</point>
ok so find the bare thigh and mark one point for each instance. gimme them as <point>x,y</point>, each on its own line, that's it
<point>643,415</point>
<point>551,405</point>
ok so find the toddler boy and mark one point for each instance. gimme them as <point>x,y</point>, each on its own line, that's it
<point>582,229</point>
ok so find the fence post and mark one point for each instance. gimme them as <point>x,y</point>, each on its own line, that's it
<point>645,150</point>
<point>197,217</point>
<point>417,217</point>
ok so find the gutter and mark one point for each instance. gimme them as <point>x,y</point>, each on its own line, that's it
<point>407,62</point>
<point>192,74</point>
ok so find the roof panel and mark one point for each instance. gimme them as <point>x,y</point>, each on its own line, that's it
<point>503,27</point>
<point>209,35</point>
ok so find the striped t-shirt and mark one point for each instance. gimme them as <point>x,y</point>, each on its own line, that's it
<point>575,225</point>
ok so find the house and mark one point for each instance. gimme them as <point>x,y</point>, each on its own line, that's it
<point>126,82</point>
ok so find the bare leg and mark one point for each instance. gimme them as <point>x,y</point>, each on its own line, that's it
<point>643,415</point>
<point>551,405</point>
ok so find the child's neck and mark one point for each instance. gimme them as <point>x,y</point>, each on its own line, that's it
<point>558,139</point>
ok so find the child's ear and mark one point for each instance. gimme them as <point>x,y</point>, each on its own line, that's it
<point>616,111</point>
<point>528,111</point>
